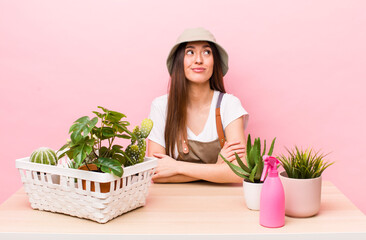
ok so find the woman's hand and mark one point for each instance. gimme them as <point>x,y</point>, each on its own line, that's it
<point>167,166</point>
<point>229,149</point>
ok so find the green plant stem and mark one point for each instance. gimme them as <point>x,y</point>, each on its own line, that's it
<point>95,153</point>
<point>87,166</point>
<point>110,144</point>
<point>101,130</point>
<point>100,142</point>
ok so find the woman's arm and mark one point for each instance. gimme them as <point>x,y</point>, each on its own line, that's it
<point>155,148</point>
<point>171,170</point>
<point>168,169</point>
<point>234,132</point>
<point>174,179</point>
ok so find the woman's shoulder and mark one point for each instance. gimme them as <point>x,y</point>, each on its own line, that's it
<point>231,109</point>
<point>229,99</point>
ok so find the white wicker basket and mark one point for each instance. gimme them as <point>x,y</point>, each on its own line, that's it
<point>58,189</point>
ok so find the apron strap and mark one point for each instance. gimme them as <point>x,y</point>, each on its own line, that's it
<point>219,128</point>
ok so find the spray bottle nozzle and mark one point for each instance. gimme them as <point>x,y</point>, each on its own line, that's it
<point>270,163</point>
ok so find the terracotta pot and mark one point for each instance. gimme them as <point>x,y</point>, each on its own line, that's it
<point>104,187</point>
<point>302,196</point>
<point>252,194</point>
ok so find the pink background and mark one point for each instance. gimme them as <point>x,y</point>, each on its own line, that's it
<point>297,66</point>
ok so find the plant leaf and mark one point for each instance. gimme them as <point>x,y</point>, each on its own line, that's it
<point>241,164</point>
<point>264,147</point>
<point>249,143</point>
<point>82,127</point>
<point>67,145</point>
<point>100,115</point>
<point>112,164</point>
<point>105,169</point>
<point>107,132</point>
<point>79,120</point>
<point>117,148</point>
<point>114,116</point>
<point>81,151</point>
<point>104,109</point>
<point>237,170</point>
<point>124,123</point>
<point>252,174</point>
<point>259,171</point>
<point>271,148</point>
<point>122,128</point>
<point>125,136</point>
<point>120,158</point>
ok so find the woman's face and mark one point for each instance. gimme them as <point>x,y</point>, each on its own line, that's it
<point>198,62</point>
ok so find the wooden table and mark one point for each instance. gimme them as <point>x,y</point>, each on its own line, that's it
<point>198,210</point>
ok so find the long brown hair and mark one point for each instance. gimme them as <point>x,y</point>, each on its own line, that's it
<point>176,119</point>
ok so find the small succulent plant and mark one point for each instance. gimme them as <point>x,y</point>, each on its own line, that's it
<point>304,164</point>
<point>252,171</point>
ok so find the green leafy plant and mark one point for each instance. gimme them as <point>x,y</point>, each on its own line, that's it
<point>304,164</point>
<point>252,171</point>
<point>94,144</point>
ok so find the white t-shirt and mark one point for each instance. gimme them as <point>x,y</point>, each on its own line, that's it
<point>230,110</point>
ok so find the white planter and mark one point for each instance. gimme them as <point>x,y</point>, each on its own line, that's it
<point>302,196</point>
<point>252,194</point>
<point>58,189</point>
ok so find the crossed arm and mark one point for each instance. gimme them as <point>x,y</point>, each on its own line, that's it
<point>171,170</point>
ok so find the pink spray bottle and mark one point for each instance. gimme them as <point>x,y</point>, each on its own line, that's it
<point>272,203</point>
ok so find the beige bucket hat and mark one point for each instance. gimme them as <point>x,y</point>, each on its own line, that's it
<point>198,34</point>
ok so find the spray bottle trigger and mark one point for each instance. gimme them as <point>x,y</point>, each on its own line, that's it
<point>265,169</point>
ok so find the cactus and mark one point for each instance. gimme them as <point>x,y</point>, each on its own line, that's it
<point>146,126</point>
<point>135,152</point>
<point>44,155</point>
<point>137,133</point>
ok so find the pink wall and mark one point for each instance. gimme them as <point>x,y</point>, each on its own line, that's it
<point>297,66</point>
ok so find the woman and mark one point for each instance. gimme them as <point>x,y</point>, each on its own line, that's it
<point>190,122</point>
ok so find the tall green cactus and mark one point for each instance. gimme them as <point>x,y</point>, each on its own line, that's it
<point>135,152</point>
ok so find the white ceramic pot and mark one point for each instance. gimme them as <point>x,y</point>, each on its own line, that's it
<point>252,194</point>
<point>302,196</point>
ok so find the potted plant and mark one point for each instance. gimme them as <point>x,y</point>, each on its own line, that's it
<point>126,173</point>
<point>92,147</point>
<point>252,171</point>
<point>302,181</point>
